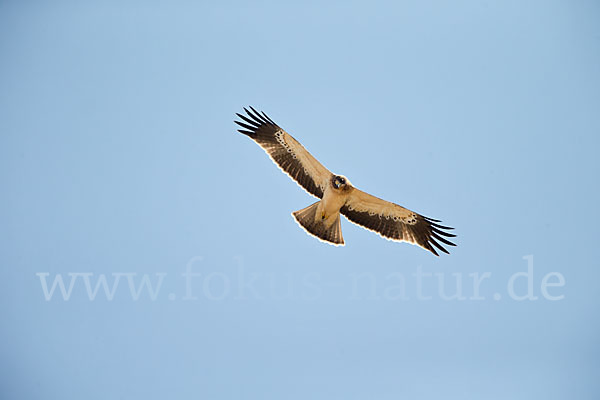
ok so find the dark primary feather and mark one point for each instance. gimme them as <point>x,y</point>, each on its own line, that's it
<point>424,233</point>
<point>262,129</point>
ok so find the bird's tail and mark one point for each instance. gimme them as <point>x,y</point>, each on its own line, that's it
<point>327,230</point>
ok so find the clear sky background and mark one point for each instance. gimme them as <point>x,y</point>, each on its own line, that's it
<point>119,156</point>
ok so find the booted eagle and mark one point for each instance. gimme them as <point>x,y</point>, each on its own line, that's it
<point>338,196</point>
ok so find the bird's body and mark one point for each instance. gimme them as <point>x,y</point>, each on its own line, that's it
<point>322,219</point>
<point>337,196</point>
<point>333,200</point>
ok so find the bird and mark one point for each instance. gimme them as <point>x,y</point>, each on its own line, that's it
<point>337,196</point>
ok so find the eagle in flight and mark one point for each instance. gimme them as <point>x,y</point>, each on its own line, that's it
<point>337,195</point>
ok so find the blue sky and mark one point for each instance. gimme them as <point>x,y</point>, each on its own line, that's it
<point>120,161</point>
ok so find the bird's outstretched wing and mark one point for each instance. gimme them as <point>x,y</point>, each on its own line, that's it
<point>394,222</point>
<point>285,151</point>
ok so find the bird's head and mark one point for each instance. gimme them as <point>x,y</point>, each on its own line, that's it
<point>340,182</point>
